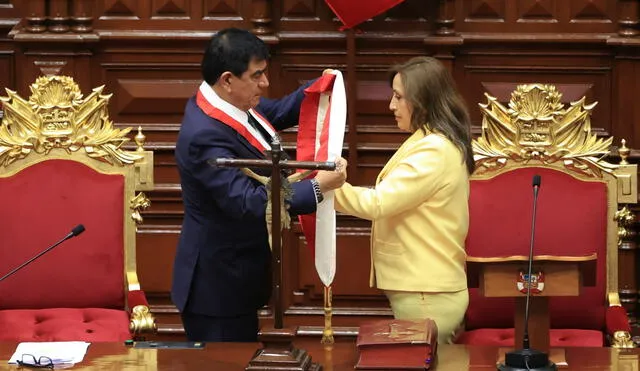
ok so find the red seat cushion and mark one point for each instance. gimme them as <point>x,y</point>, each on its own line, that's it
<point>64,324</point>
<point>504,337</point>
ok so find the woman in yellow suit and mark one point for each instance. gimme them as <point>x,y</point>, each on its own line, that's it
<point>419,205</point>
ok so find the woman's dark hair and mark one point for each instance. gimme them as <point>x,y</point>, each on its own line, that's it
<point>231,50</point>
<point>437,105</point>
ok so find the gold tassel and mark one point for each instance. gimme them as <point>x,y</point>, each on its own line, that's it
<point>327,333</point>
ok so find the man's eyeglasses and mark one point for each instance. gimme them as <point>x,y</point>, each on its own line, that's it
<point>29,360</point>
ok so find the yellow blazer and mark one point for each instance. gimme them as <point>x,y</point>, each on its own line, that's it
<point>420,214</point>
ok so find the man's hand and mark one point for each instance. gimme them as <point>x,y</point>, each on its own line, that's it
<point>329,180</point>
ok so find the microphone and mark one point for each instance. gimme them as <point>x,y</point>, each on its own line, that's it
<point>74,232</point>
<point>527,358</point>
<point>77,230</point>
<point>536,185</point>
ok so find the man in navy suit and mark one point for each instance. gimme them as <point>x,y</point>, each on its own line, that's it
<point>222,272</point>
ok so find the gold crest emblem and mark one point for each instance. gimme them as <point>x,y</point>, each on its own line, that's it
<point>57,116</point>
<point>536,125</point>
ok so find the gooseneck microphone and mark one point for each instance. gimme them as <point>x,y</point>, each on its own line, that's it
<point>74,232</point>
<point>536,188</point>
<point>526,358</point>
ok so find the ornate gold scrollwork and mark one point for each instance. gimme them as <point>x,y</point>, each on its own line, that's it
<point>625,218</point>
<point>141,320</point>
<point>57,116</point>
<point>139,203</point>
<point>537,126</point>
<point>286,193</point>
<point>622,339</point>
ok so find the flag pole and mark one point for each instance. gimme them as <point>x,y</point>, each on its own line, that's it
<point>327,333</point>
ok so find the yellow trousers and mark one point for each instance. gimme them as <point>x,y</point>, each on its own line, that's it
<point>447,309</point>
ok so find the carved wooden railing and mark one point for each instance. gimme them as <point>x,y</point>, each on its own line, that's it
<point>77,16</point>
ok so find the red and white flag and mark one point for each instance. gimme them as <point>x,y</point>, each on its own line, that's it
<point>323,115</point>
<point>352,14</point>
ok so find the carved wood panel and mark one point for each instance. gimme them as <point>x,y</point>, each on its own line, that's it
<point>352,271</point>
<point>7,73</point>
<point>222,9</point>
<point>35,62</point>
<point>156,246</point>
<point>127,9</point>
<point>138,86</point>
<point>155,15</point>
<point>498,73</point>
<point>171,9</point>
<point>538,16</point>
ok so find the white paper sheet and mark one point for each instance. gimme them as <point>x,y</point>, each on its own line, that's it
<point>60,352</point>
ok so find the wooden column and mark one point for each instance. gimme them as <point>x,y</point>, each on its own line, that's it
<point>628,265</point>
<point>445,23</point>
<point>352,97</point>
<point>627,252</point>
<point>628,268</point>
<point>36,16</point>
<point>58,16</point>
<point>81,16</point>
<point>261,17</point>
<point>628,18</point>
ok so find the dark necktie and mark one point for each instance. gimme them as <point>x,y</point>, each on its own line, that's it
<point>256,125</point>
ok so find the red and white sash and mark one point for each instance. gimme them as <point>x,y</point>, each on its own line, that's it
<point>215,107</point>
<point>320,138</point>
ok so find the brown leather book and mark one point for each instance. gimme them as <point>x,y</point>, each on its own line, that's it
<point>397,345</point>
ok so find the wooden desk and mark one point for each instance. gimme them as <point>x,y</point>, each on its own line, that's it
<point>234,356</point>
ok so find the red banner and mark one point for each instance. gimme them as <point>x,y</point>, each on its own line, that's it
<point>352,13</point>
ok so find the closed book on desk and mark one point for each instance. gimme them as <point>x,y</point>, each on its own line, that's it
<point>397,345</point>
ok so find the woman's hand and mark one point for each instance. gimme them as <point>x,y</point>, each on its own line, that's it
<point>329,180</point>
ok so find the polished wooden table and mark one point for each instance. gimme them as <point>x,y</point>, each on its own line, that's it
<point>342,357</point>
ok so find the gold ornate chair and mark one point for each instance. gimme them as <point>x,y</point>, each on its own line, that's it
<point>577,212</point>
<point>62,164</point>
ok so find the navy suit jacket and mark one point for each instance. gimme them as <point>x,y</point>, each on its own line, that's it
<point>223,261</point>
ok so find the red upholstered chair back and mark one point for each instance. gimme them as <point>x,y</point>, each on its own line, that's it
<point>571,221</point>
<point>41,204</point>
<point>536,133</point>
<point>62,164</point>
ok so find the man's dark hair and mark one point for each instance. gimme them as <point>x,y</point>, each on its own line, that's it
<point>231,49</point>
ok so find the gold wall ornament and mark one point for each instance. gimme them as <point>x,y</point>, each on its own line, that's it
<point>537,126</point>
<point>56,116</point>
<point>137,204</point>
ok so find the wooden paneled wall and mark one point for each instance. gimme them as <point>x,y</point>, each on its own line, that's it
<point>147,53</point>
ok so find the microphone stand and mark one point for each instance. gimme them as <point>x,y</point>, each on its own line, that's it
<point>527,359</point>
<point>74,232</point>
